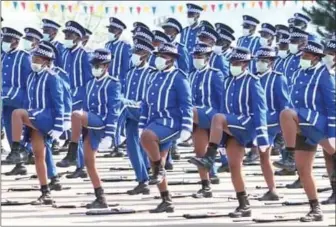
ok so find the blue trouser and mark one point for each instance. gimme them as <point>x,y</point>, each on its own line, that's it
<point>136,154</point>
<point>51,167</point>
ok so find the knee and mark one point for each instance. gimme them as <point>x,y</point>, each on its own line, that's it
<point>303,168</point>
<point>146,137</point>
<point>235,166</point>
<point>217,120</point>
<point>195,115</point>
<point>17,113</point>
<point>264,156</point>
<point>286,114</point>
<point>76,115</point>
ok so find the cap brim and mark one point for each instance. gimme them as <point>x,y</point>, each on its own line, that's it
<point>318,54</point>
<point>40,55</point>
<point>240,60</point>
<point>97,61</point>
<point>168,53</point>
<point>268,57</point>
<point>200,53</point>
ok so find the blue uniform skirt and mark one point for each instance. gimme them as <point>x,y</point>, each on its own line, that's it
<point>205,116</point>
<point>313,126</point>
<point>241,128</point>
<point>95,130</point>
<point>165,134</point>
<point>42,120</point>
<point>273,126</point>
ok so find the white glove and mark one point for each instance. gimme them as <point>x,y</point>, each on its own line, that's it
<point>140,132</point>
<point>185,135</point>
<point>55,134</point>
<point>332,142</point>
<point>105,143</point>
<point>263,148</point>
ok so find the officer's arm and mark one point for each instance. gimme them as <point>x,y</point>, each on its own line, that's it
<point>217,85</point>
<point>186,62</point>
<point>56,90</point>
<point>259,108</point>
<point>125,66</point>
<point>144,111</point>
<point>113,105</point>
<point>281,93</point>
<point>327,83</point>
<point>87,69</point>
<point>184,100</point>
<point>222,100</point>
<point>85,104</point>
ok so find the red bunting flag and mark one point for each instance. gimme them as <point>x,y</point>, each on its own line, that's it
<point>213,7</point>
<point>70,8</point>
<point>138,9</point>
<point>46,6</point>
<point>236,5</point>
<point>23,4</point>
<point>261,4</point>
<point>91,9</point>
<point>116,9</point>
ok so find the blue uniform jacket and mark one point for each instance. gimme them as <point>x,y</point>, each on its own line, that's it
<point>15,71</point>
<point>121,60</point>
<point>250,42</point>
<point>103,100</point>
<point>189,37</point>
<point>313,96</point>
<point>244,97</point>
<point>183,62</point>
<point>217,61</point>
<point>60,48</point>
<point>78,67</point>
<point>207,89</point>
<point>168,101</point>
<point>292,64</point>
<point>279,64</point>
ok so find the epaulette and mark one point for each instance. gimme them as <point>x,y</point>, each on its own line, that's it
<point>59,69</point>
<point>152,68</point>
<point>277,73</point>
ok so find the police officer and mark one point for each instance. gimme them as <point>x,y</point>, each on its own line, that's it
<point>43,114</point>
<point>76,64</point>
<point>31,39</point>
<point>166,113</point>
<point>280,31</point>
<point>311,120</point>
<point>249,40</point>
<point>120,49</point>
<point>86,37</point>
<point>159,39</point>
<point>242,119</point>
<point>189,33</point>
<point>226,37</point>
<point>138,24</point>
<point>301,21</point>
<point>50,30</point>
<point>206,86</point>
<point>282,53</point>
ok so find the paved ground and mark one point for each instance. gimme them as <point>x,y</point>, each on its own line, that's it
<point>48,216</point>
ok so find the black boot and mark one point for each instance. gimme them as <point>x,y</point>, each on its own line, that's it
<point>100,201</point>
<point>31,160</point>
<point>55,184</point>
<point>174,153</point>
<point>208,160</point>
<point>159,173</point>
<point>169,166</point>
<point>252,156</point>
<point>19,169</point>
<point>65,146</point>
<point>315,213</point>
<point>332,198</point>
<point>243,210</point>
<point>70,158</point>
<point>55,147</point>
<point>141,188</point>
<point>295,184</point>
<point>45,198</point>
<point>165,206</point>
<point>288,163</point>
<point>270,196</point>
<point>18,154</point>
<point>284,172</point>
<point>79,173</point>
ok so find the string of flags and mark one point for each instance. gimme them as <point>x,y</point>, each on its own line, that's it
<point>101,9</point>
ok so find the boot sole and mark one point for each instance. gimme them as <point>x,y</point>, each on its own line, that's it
<point>243,215</point>
<point>168,210</point>
<point>140,193</point>
<point>316,219</point>
<point>198,164</point>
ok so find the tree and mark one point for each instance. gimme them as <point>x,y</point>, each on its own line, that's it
<point>323,16</point>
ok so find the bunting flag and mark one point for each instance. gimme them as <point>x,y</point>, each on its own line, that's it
<point>148,9</point>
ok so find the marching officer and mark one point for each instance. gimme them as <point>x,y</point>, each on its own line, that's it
<point>159,39</point>
<point>120,49</point>
<point>310,120</point>
<point>242,120</point>
<point>166,114</point>
<point>31,39</point>
<point>50,30</point>
<point>189,33</point>
<point>139,24</point>
<point>280,31</point>
<point>301,21</point>
<point>226,37</point>
<point>86,37</point>
<point>282,53</point>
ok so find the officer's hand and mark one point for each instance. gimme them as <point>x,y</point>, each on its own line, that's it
<point>55,134</point>
<point>264,148</point>
<point>185,135</point>
<point>332,142</point>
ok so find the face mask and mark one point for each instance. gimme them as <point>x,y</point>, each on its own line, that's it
<point>160,63</point>
<point>27,45</point>
<point>97,72</point>
<point>6,47</point>
<point>69,43</point>
<point>263,42</point>
<point>46,37</point>
<point>293,48</point>
<point>217,49</point>
<point>305,64</point>
<point>36,67</point>
<point>246,31</point>
<point>283,54</point>
<point>236,70</point>
<point>136,59</point>
<point>111,36</point>
<point>328,60</point>
<point>199,63</point>
<point>191,21</point>
<point>261,66</point>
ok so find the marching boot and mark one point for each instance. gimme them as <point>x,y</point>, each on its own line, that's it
<point>205,191</point>
<point>19,169</point>
<point>55,184</point>
<point>224,168</point>
<point>79,173</point>
<point>159,173</point>
<point>332,198</point>
<point>284,172</point>
<point>2,134</point>
<point>270,196</point>
<point>243,210</point>
<point>252,156</point>
<point>214,179</point>
<point>315,213</point>
<point>174,153</point>
<point>295,184</point>
<point>31,160</point>
<point>100,201</point>
<point>207,161</point>
<point>141,188</point>
<point>166,205</point>
<point>70,158</point>
<point>65,146</point>
<point>55,148</point>
<point>288,163</point>
<point>169,166</point>
<point>45,198</point>
<point>18,154</point>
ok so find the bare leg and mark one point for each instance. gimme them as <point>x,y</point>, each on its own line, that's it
<point>150,144</point>
<point>20,117</point>
<point>327,147</point>
<point>164,185</point>
<point>90,163</point>
<point>235,153</point>
<point>39,155</point>
<point>289,122</point>
<point>218,125</point>
<point>79,119</point>
<point>329,163</point>
<point>266,168</point>
<point>200,140</point>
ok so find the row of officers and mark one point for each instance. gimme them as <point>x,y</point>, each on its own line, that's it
<point>167,91</point>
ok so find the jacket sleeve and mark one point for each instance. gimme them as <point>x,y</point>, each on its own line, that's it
<point>327,83</point>
<point>86,68</point>
<point>113,106</point>
<point>184,100</point>
<point>221,65</point>
<point>217,87</point>
<point>125,66</point>
<point>259,108</point>
<point>144,111</point>
<point>56,91</point>
<point>281,93</point>
<point>184,60</point>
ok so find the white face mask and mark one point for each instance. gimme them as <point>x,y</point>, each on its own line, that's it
<point>27,45</point>
<point>97,72</point>
<point>261,66</point>
<point>6,47</point>
<point>246,31</point>
<point>136,59</point>
<point>160,63</point>
<point>293,48</point>
<point>263,42</point>
<point>305,64</point>
<point>328,60</point>
<point>283,53</point>
<point>46,37</point>
<point>218,49</point>
<point>111,36</point>
<point>236,70</point>
<point>36,67</point>
<point>191,21</point>
<point>69,43</point>
<point>199,63</point>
